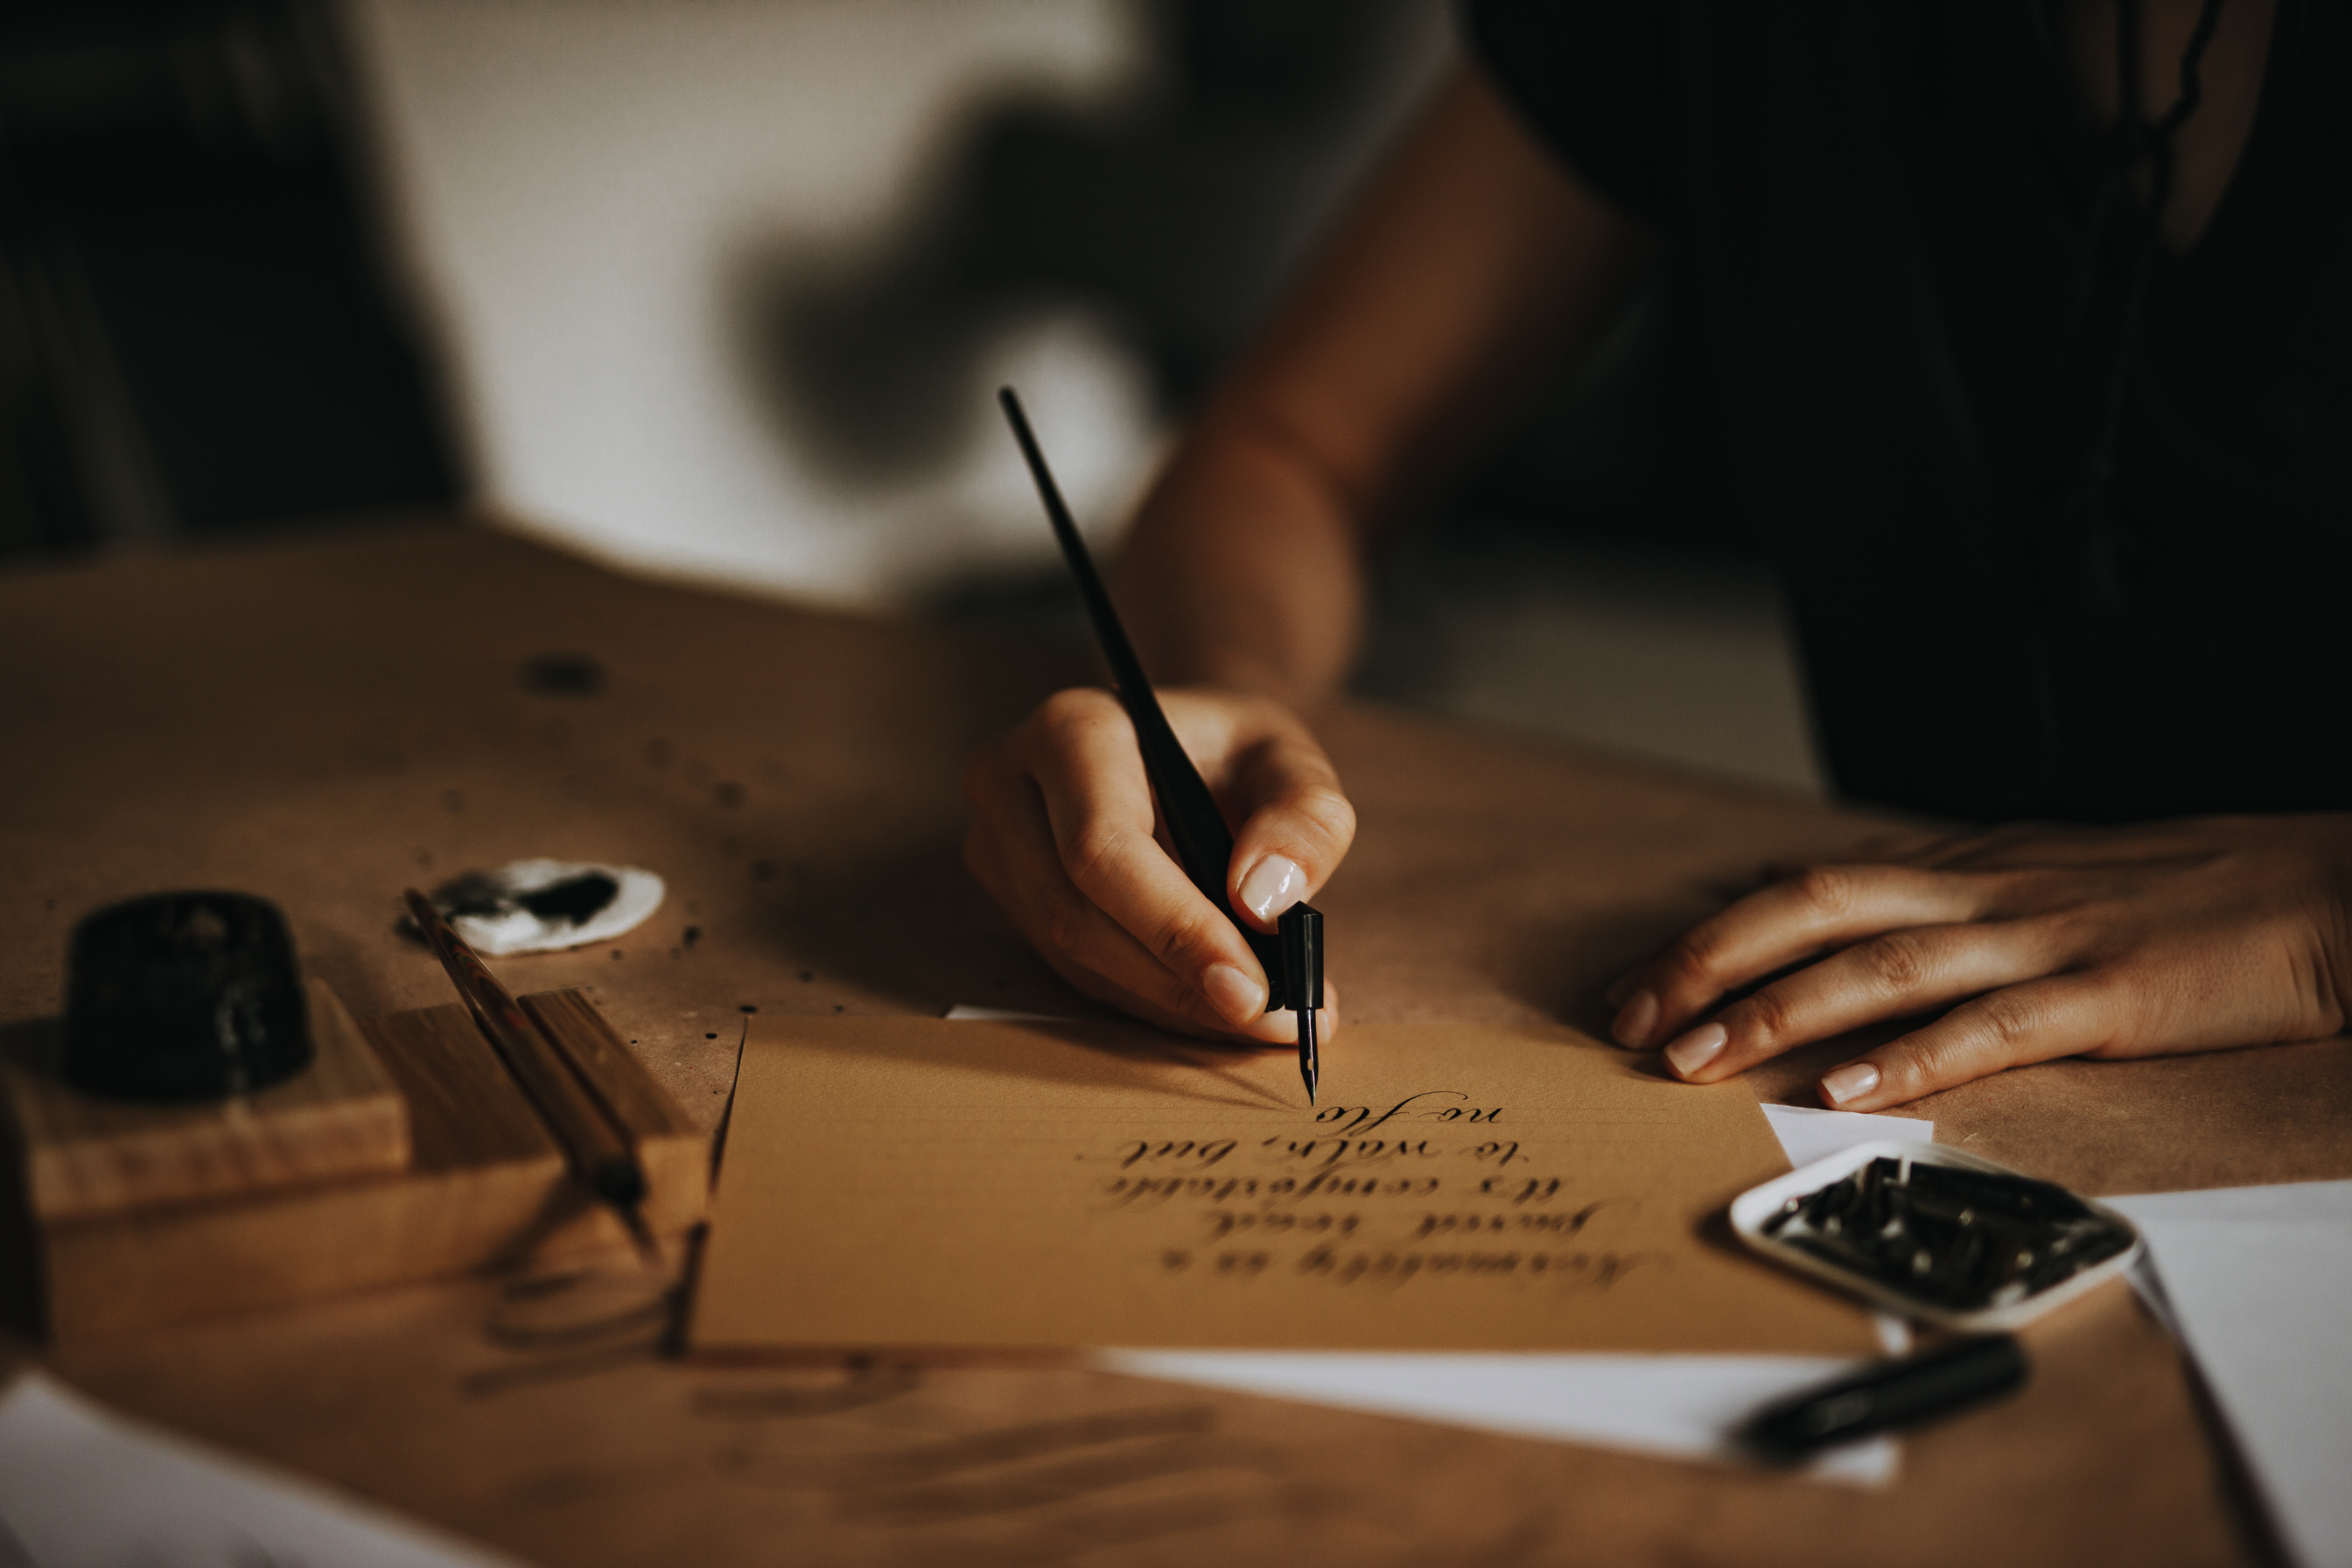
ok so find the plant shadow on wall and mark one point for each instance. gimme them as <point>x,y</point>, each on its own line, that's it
<point>1168,219</point>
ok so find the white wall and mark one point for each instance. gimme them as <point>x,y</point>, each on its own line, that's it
<point>574,181</point>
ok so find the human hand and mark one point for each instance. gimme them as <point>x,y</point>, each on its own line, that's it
<point>1063,837</point>
<point>2042,943</point>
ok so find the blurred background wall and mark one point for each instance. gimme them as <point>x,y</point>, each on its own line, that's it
<point>719,289</point>
<point>725,285</point>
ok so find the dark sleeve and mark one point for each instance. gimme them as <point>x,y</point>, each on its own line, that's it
<point>1592,80</point>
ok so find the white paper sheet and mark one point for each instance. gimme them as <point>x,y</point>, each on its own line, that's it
<point>1808,1133</point>
<point>82,1487</point>
<point>1677,1405</point>
<point>2256,1282</point>
<point>965,1014</point>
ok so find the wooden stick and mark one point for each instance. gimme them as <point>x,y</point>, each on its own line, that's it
<point>593,1143</point>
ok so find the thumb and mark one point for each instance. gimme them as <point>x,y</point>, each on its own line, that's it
<point>1296,829</point>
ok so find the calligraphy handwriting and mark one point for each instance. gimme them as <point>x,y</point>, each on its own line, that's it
<point>1331,1152</point>
<point>1353,1119</point>
<point>1223,1223</point>
<point>1150,1191</point>
<point>1580,1270</point>
<point>1521,1189</point>
<point>1516,1224</point>
<point>1204,1153</point>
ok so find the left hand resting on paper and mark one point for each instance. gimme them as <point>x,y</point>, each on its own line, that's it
<point>2041,941</point>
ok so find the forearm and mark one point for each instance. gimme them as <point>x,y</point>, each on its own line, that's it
<point>1469,267</point>
<point>1245,567</point>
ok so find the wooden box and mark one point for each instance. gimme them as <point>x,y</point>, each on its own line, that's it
<point>476,1181</point>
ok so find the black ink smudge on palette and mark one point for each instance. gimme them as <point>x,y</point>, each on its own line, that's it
<point>575,899</point>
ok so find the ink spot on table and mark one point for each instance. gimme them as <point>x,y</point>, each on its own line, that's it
<point>747,1007</point>
<point>729,794</point>
<point>562,674</point>
<point>806,976</point>
<point>710,1037</point>
<point>693,935</point>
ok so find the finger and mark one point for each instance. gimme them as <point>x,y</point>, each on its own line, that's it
<point>1296,830</point>
<point>1827,907</point>
<point>1276,1030</point>
<point>1281,1028</point>
<point>1888,976</point>
<point>1097,805</point>
<point>2063,1016</point>
<point>1145,991</point>
<point>1011,850</point>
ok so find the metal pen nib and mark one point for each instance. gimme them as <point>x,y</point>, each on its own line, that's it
<point>1309,1067</point>
<point>1300,932</point>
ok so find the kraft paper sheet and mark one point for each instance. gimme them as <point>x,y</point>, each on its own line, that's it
<point>980,1187</point>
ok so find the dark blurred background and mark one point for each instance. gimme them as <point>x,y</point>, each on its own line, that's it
<point>241,291</point>
<point>197,334</point>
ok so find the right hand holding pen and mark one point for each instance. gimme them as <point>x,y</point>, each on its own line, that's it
<point>1062,837</point>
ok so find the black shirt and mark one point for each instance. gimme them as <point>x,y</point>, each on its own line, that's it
<point>1880,231</point>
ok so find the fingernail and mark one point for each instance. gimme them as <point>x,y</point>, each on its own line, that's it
<point>1635,1020</point>
<point>1282,1029</point>
<point>1850,1081</point>
<point>1698,1048</point>
<point>1239,1000</point>
<point>1273,885</point>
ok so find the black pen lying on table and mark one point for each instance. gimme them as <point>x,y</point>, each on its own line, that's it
<point>1293,957</point>
<point>1887,1397</point>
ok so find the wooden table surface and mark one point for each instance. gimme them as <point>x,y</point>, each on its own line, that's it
<point>325,721</point>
